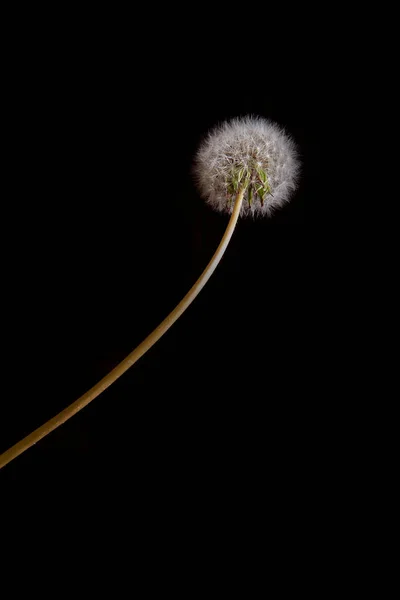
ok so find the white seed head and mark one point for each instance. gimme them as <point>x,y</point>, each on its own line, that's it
<point>250,153</point>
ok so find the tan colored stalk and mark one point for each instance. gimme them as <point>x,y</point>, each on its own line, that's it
<point>134,356</point>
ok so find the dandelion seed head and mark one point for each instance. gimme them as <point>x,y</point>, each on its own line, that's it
<point>253,153</point>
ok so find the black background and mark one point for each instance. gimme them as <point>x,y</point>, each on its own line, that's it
<point>113,233</point>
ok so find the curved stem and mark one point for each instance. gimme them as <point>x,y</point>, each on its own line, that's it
<point>134,356</point>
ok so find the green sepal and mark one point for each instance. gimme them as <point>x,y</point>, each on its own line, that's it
<point>250,195</point>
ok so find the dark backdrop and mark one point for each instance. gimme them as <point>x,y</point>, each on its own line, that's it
<point>113,233</point>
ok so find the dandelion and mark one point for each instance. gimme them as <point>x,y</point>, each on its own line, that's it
<point>252,153</point>
<point>245,167</point>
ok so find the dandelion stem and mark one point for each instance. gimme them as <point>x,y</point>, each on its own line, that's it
<point>134,356</point>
